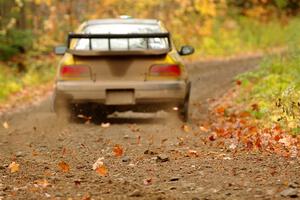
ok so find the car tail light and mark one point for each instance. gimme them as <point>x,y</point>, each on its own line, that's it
<point>165,70</point>
<point>75,71</point>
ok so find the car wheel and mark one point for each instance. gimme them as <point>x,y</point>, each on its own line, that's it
<point>184,108</point>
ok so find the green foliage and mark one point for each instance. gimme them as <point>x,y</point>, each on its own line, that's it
<point>40,70</point>
<point>247,35</point>
<point>8,82</point>
<point>14,42</point>
<point>275,87</point>
<point>281,3</point>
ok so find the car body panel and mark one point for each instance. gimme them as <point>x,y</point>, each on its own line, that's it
<point>119,79</point>
<point>143,92</point>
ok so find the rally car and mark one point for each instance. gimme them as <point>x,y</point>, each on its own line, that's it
<point>121,64</point>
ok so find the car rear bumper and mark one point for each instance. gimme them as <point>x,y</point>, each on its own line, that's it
<point>122,93</point>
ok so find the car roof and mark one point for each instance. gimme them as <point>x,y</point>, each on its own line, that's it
<point>123,21</point>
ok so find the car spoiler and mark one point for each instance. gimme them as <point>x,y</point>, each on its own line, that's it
<point>110,51</point>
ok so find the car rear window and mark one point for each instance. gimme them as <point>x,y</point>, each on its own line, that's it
<point>122,44</point>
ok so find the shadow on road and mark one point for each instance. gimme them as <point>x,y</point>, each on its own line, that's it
<point>126,118</point>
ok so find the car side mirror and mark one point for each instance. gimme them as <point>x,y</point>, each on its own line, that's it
<point>60,50</point>
<point>186,50</point>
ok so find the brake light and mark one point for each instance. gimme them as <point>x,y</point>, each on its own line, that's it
<point>75,71</point>
<point>165,70</point>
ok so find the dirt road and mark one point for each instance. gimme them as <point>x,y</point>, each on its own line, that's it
<point>160,160</point>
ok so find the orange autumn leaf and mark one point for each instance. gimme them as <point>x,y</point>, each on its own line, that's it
<point>277,138</point>
<point>220,110</point>
<point>258,143</point>
<point>118,150</point>
<point>186,128</point>
<point>102,170</point>
<point>193,153</point>
<point>249,145</point>
<point>277,128</point>
<point>64,167</point>
<point>212,138</point>
<point>255,107</point>
<point>238,82</point>
<point>14,167</point>
<point>244,114</point>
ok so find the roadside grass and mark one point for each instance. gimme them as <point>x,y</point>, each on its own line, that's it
<point>275,89</point>
<point>245,35</point>
<point>40,69</point>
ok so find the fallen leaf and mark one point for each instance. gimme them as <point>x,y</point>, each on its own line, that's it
<point>238,82</point>
<point>180,141</point>
<point>105,125</point>
<point>212,138</point>
<point>220,110</point>
<point>88,119</point>
<point>86,197</point>
<point>98,163</point>
<point>244,114</point>
<point>258,143</point>
<point>202,128</point>
<point>81,116</point>
<point>102,170</point>
<point>42,183</point>
<point>232,146</point>
<point>284,141</point>
<point>64,167</point>
<point>186,128</point>
<point>175,108</point>
<point>193,153</point>
<point>277,138</point>
<point>47,195</point>
<point>14,167</point>
<point>118,150</point>
<point>249,145</point>
<point>5,125</point>
<point>255,107</point>
<point>131,165</point>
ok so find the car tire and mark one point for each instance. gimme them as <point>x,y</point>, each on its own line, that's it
<point>184,108</point>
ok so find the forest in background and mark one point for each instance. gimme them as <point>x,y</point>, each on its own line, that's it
<point>29,29</point>
<point>40,24</point>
